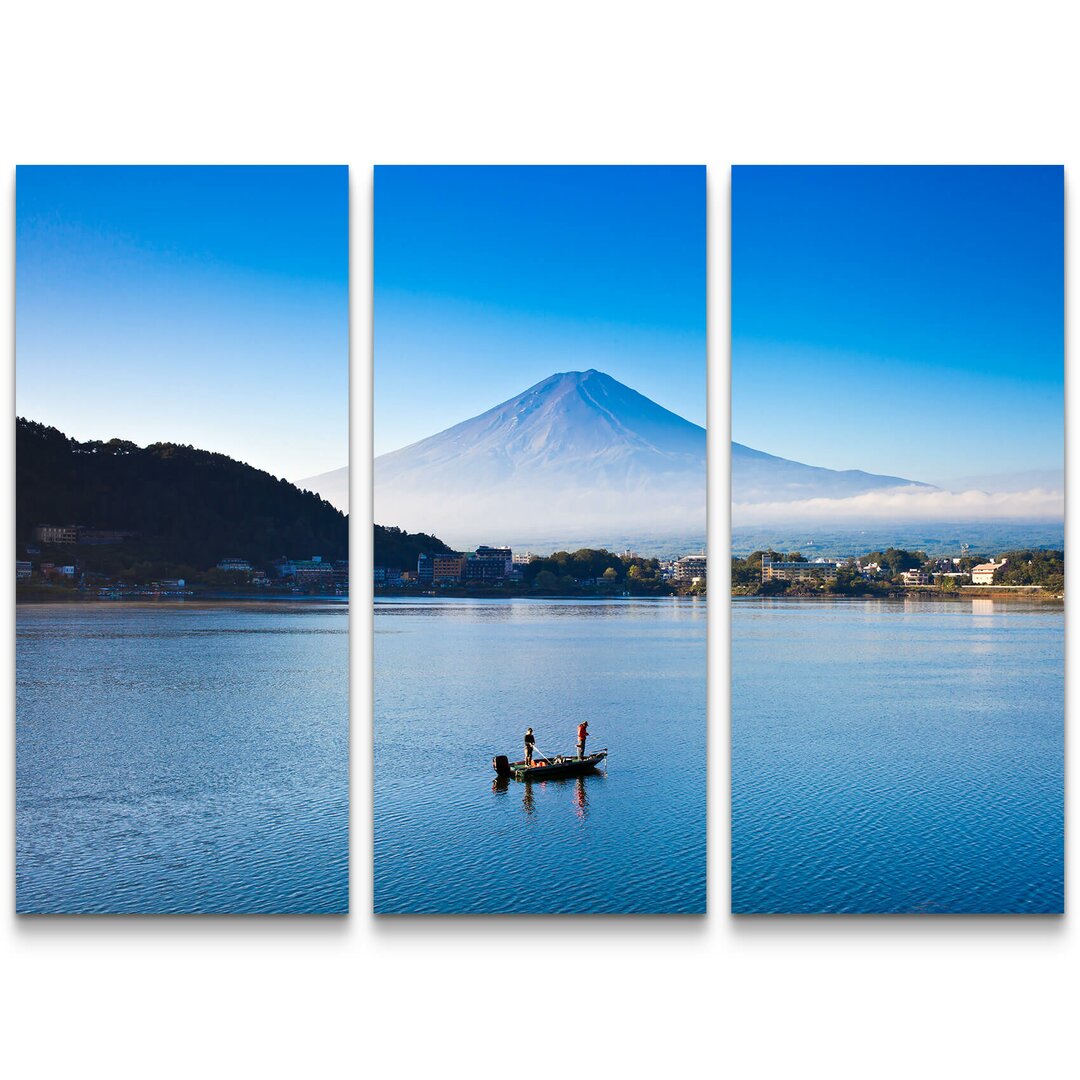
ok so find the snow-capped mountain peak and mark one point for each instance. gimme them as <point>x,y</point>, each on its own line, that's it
<point>579,451</point>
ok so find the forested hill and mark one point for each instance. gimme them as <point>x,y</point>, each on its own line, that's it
<point>395,547</point>
<point>185,506</point>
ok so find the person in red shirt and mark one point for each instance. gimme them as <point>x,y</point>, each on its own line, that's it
<point>582,735</point>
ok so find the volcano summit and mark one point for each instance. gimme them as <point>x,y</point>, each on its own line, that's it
<point>578,454</point>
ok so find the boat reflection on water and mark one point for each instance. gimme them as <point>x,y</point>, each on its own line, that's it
<point>579,797</point>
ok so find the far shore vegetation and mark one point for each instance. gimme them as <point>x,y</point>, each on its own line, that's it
<point>899,572</point>
<point>585,572</point>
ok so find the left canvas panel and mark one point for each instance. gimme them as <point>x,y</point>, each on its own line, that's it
<point>182,539</point>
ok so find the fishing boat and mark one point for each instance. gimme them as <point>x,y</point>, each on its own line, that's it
<point>543,768</point>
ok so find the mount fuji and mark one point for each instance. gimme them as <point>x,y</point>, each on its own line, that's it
<point>757,477</point>
<point>577,455</point>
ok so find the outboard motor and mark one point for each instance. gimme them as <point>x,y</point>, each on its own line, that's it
<point>501,764</point>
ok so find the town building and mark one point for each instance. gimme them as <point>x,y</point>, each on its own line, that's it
<point>314,571</point>
<point>50,570</point>
<point>235,566</point>
<point>796,571</point>
<point>916,577</point>
<point>983,574</point>
<point>57,534</point>
<point>523,558</point>
<point>425,569</point>
<point>341,574</point>
<point>690,569</point>
<point>504,553</point>
<point>447,569</point>
<point>79,534</point>
<point>23,570</point>
<point>488,564</point>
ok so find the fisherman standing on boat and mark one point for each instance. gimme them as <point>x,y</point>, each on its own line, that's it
<point>582,735</point>
<point>530,744</point>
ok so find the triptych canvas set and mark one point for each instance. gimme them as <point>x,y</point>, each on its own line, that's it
<point>892,590</point>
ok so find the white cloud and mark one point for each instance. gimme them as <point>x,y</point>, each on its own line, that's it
<point>909,504</point>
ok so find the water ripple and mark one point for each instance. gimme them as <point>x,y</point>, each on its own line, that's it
<point>894,760</point>
<point>181,761</point>
<point>458,682</point>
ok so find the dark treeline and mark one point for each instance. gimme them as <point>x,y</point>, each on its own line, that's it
<point>188,508</point>
<point>395,547</point>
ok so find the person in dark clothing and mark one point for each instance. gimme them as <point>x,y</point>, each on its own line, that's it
<point>530,745</point>
<point>582,735</point>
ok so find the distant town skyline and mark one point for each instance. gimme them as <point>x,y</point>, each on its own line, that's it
<point>204,305</point>
<point>902,320</point>
<point>490,279</point>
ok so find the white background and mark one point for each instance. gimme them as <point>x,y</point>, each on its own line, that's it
<point>552,82</point>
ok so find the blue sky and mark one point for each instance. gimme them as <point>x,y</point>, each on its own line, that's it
<point>902,320</point>
<point>489,279</point>
<point>202,305</point>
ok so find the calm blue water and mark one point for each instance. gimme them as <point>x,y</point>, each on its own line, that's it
<point>897,756</point>
<point>182,758</point>
<point>457,681</point>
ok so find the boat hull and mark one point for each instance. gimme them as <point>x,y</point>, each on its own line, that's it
<point>557,767</point>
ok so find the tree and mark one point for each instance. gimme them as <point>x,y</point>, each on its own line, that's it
<point>546,581</point>
<point>847,581</point>
<point>180,506</point>
<point>395,547</point>
<point>1033,567</point>
<point>896,560</point>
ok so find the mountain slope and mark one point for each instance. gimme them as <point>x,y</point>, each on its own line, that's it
<point>578,453</point>
<point>186,506</point>
<point>757,477</point>
<point>332,486</point>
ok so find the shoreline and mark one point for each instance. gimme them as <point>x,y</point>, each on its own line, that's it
<point>198,598</point>
<point>1014,595</point>
<point>400,594</point>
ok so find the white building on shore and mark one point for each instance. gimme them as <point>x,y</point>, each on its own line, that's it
<point>983,574</point>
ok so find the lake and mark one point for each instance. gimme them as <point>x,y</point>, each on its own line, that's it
<point>182,757</point>
<point>894,756</point>
<point>458,681</point>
